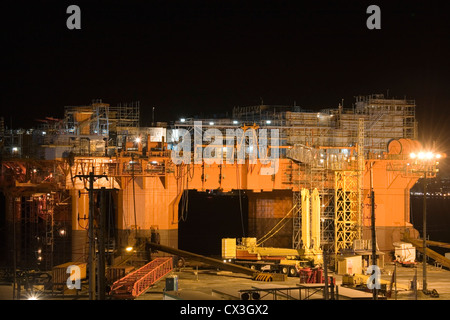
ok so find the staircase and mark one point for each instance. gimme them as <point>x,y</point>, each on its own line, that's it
<point>137,282</point>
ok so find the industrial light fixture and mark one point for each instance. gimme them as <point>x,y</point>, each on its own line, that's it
<point>32,296</point>
<point>268,121</point>
<point>129,249</point>
<point>211,123</point>
<point>138,140</point>
<point>182,120</point>
<point>425,155</point>
<point>235,122</point>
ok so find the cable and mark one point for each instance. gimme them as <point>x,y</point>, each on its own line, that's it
<point>185,193</point>
<point>268,235</point>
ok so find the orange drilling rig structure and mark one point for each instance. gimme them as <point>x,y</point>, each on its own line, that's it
<point>319,184</point>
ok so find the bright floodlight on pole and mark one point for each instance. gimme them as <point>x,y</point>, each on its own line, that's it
<point>137,140</point>
<point>426,160</point>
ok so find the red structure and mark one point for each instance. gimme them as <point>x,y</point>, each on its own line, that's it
<point>135,283</point>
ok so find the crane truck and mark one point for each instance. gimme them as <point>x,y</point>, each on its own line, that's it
<point>277,260</point>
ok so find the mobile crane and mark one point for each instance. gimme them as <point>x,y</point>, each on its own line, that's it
<point>279,260</point>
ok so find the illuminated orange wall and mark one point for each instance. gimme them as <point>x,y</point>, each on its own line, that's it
<point>392,204</point>
<point>157,197</point>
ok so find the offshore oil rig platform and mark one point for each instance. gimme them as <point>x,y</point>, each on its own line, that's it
<point>97,174</point>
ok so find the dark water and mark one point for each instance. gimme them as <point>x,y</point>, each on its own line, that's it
<point>438,218</point>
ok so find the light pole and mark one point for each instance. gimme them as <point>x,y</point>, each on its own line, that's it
<point>424,286</point>
<point>426,162</point>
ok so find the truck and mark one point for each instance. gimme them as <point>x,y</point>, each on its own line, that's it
<point>276,260</point>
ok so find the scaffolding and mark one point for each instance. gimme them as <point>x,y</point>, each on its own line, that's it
<point>328,149</point>
<point>386,119</point>
<point>346,209</point>
<point>312,177</point>
<point>101,118</point>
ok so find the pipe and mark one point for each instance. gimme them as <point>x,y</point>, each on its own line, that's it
<point>210,261</point>
<point>315,219</point>
<point>306,238</point>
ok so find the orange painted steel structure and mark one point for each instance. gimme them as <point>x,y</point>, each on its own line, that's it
<point>135,283</point>
<point>159,185</point>
<point>148,186</point>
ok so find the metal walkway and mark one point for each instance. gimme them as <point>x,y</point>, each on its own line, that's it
<point>137,282</point>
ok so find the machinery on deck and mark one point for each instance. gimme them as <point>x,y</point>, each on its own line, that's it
<point>277,260</point>
<point>405,254</point>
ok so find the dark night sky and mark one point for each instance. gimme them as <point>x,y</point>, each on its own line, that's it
<point>188,57</point>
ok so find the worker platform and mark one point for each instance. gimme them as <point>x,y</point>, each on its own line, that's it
<point>135,283</point>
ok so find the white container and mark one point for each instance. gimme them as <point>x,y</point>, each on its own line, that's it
<point>404,252</point>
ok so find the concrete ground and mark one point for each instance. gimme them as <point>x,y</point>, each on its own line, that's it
<point>437,278</point>
<point>210,284</point>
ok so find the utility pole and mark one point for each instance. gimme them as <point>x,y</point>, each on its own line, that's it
<point>101,246</point>
<point>14,257</point>
<point>91,235</point>
<point>424,289</point>
<point>134,198</point>
<point>91,238</point>
<point>374,240</point>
